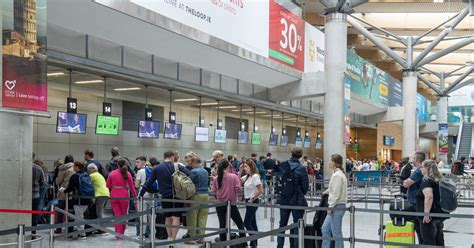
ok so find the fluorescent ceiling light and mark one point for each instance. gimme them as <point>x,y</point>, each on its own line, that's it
<point>243,110</point>
<point>274,116</point>
<point>128,89</point>
<point>90,81</point>
<point>261,112</point>
<point>55,74</point>
<point>227,107</point>
<point>208,104</point>
<point>185,100</point>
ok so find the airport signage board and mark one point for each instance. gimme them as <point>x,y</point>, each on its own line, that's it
<point>233,21</point>
<point>314,49</point>
<point>24,69</point>
<point>287,37</point>
<point>462,97</point>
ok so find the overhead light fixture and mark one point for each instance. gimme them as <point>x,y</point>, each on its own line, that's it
<point>55,74</point>
<point>128,89</point>
<point>438,1</point>
<point>208,104</point>
<point>261,112</point>
<point>90,81</point>
<point>243,110</point>
<point>227,107</point>
<point>185,100</point>
<point>274,116</point>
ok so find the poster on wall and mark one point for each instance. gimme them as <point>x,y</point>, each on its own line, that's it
<point>443,138</point>
<point>213,17</point>
<point>314,49</point>
<point>287,37</point>
<point>220,136</point>
<point>24,79</point>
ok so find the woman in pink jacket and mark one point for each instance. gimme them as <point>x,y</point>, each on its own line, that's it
<point>120,184</point>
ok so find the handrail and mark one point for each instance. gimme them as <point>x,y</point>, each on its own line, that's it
<point>36,239</point>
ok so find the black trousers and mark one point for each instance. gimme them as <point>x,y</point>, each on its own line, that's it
<point>432,232</point>
<point>234,215</point>
<point>34,217</point>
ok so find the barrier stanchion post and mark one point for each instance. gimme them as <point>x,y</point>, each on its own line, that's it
<point>352,194</point>
<point>300,233</point>
<point>272,210</point>
<point>66,209</point>
<point>141,208</point>
<point>352,226</point>
<point>366,193</point>
<point>51,231</point>
<point>21,236</point>
<point>228,224</point>
<point>152,222</point>
<point>266,199</point>
<point>381,224</point>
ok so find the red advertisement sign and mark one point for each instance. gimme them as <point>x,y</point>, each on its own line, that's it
<point>286,37</point>
<point>24,79</point>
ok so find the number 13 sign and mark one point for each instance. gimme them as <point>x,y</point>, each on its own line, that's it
<point>286,37</point>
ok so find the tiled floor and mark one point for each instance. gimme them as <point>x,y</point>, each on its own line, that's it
<point>366,227</point>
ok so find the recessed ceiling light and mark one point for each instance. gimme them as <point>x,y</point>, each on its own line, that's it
<point>55,74</point>
<point>185,100</point>
<point>90,81</point>
<point>128,89</point>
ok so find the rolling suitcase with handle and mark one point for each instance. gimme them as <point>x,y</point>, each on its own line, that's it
<point>399,230</point>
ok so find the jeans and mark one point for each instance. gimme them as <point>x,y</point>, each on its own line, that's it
<point>79,212</point>
<point>234,215</point>
<point>197,217</point>
<point>42,198</point>
<point>432,232</point>
<point>333,226</point>
<point>250,221</point>
<point>284,216</point>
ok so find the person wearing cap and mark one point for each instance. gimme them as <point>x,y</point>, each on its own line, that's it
<point>293,186</point>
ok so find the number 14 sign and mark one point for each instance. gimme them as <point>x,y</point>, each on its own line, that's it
<point>286,37</point>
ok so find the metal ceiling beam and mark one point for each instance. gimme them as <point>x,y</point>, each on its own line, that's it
<point>451,25</point>
<point>451,73</point>
<point>417,40</point>
<point>396,38</point>
<point>376,41</point>
<point>458,80</point>
<point>465,83</point>
<point>445,51</point>
<point>429,84</point>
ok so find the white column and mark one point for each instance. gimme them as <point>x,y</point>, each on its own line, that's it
<point>442,109</point>
<point>409,108</point>
<point>334,66</point>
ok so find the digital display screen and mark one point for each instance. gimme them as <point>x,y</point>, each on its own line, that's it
<point>220,136</point>
<point>108,125</point>
<point>201,134</point>
<point>71,123</point>
<point>273,140</point>
<point>148,129</point>
<point>388,140</point>
<point>173,131</point>
<point>256,138</point>
<point>243,138</point>
<point>284,141</point>
<point>307,142</point>
<point>298,141</point>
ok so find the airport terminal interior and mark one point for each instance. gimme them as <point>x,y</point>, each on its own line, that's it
<point>237,123</point>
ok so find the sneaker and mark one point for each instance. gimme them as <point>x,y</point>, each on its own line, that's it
<point>81,237</point>
<point>100,232</point>
<point>186,236</point>
<point>189,242</point>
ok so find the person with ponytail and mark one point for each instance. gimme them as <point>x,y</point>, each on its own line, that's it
<point>120,184</point>
<point>226,186</point>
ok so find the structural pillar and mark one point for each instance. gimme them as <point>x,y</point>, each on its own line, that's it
<point>442,114</point>
<point>335,67</point>
<point>409,108</point>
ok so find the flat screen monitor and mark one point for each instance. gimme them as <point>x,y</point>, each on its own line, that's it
<point>298,141</point>
<point>307,142</point>
<point>273,140</point>
<point>220,136</point>
<point>173,131</point>
<point>71,123</point>
<point>243,137</point>
<point>107,125</point>
<point>256,138</point>
<point>388,140</point>
<point>148,129</point>
<point>284,141</point>
<point>201,134</point>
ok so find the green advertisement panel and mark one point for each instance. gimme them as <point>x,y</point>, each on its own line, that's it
<point>108,125</point>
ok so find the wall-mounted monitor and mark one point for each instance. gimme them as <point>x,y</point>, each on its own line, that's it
<point>201,134</point>
<point>172,131</point>
<point>388,140</point>
<point>220,136</point>
<point>243,137</point>
<point>298,141</point>
<point>71,123</point>
<point>307,142</point>
<point>256,138</point>
<point>284,141</point>
<point>148,129</point>
<point>273,141</point>
<point>107,125</point>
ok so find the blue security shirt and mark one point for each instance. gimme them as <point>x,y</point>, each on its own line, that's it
<point>416,177</point>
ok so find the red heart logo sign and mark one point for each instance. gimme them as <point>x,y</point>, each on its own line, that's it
<point>10,84</point>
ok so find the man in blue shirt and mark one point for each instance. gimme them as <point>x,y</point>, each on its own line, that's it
<point>413,185</point>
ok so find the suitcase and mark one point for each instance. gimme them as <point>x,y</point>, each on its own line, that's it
<point>309,231</point>
<point>399,230</point>
<point>401,204</point>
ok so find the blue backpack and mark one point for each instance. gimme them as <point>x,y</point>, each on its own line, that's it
<point>148,173</point>
<point>85,185</point>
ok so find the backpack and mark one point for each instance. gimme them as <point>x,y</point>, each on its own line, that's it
<point>85,185</point>
<point>287,184</point>
<point>447,197</point>
<point>148,170</point>
<point>183,186</point>
<point>311,170</point>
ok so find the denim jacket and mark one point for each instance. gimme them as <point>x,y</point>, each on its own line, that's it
<point>200,179</point>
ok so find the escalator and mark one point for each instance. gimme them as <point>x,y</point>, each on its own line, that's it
<point>465,140</point>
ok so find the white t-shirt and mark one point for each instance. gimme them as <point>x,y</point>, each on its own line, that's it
<point>250,185</point>
<point>141,175</point>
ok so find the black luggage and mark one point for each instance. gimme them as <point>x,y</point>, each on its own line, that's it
<point>90,214</point>
<point>160,232</point>
<point>318,220</point>
<point>401,204</point>
<point>309,231</point>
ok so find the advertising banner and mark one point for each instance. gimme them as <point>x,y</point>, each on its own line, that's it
<point>24,80</point>
<point>423,108</point>
<point>287,37</point>
<point>462,97</point>
<point>347,107</point>
<point>314,49</point>
<point>443,135</point>
<point>233,21</point>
